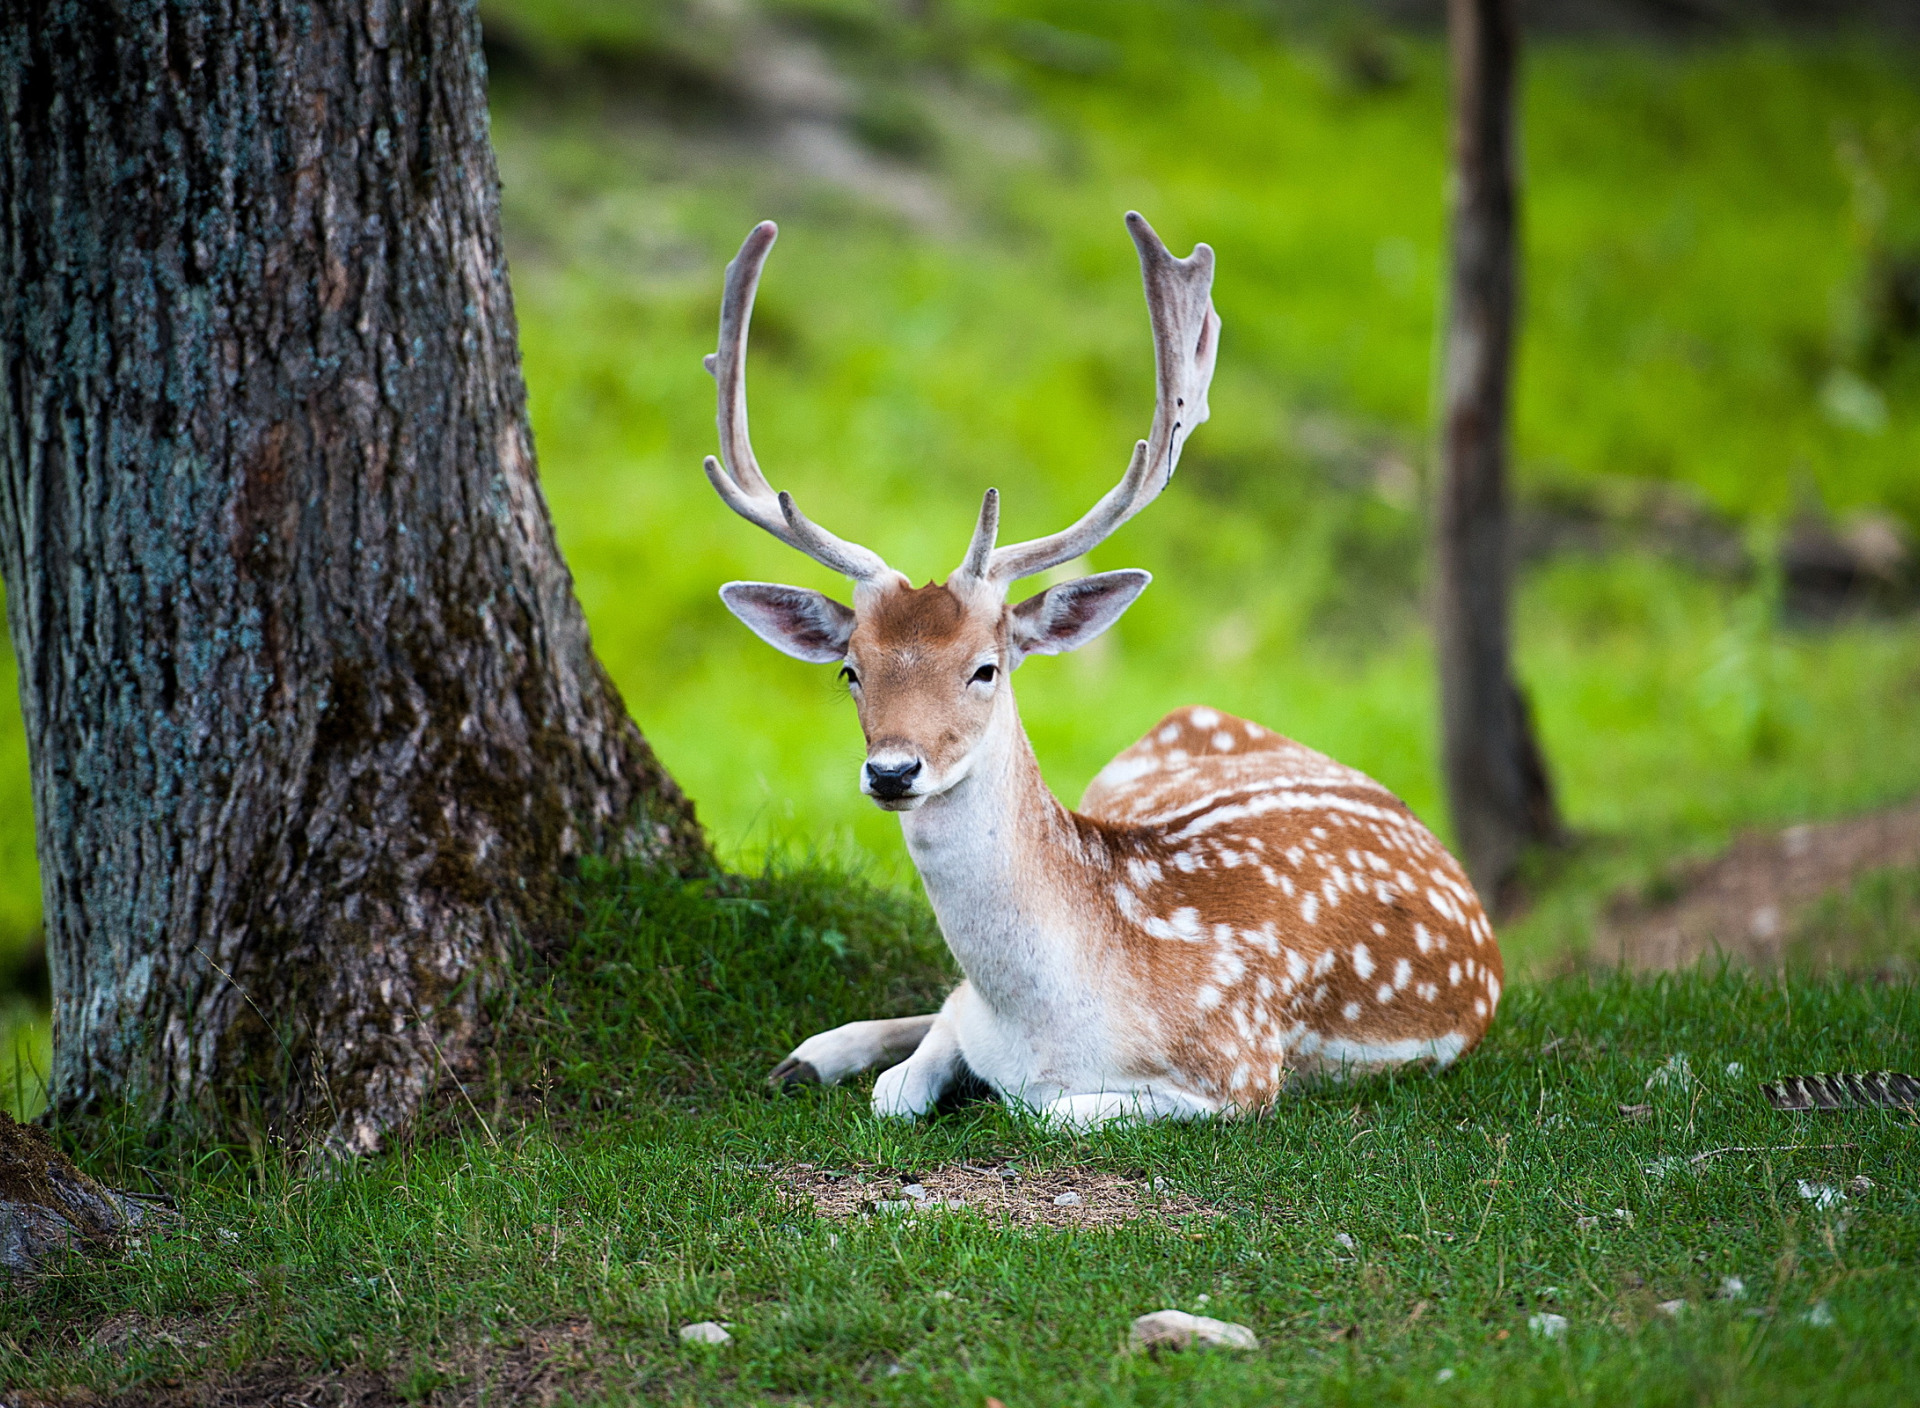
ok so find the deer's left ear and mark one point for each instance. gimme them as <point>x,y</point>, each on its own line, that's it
<point>1066,617</point>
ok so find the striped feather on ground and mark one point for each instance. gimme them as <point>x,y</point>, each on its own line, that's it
<point>1872,1089</point>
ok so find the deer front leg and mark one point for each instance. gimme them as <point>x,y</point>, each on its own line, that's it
<point>910,1089</point>
<point>830,1057</point>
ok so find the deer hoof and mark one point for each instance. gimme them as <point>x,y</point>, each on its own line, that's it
<point>790,1073</point>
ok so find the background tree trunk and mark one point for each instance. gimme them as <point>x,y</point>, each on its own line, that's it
<point>1497,782</point>
<point>314,721</point>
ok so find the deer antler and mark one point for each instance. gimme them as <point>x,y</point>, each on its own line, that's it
<point>741,484</point>
<point>1186,337</point>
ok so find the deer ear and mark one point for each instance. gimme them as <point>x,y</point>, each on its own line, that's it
<point>1066,617</point>
<point>799,622</point>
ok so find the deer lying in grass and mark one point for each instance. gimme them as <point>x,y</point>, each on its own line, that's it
<point>1226,908</point>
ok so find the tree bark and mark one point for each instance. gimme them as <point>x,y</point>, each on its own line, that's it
<point>1497,781</point>
<point>314,720</point>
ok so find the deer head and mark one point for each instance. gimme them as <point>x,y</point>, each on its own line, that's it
<point>928,666</point>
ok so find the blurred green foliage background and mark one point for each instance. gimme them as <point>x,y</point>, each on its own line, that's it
<point>1720,359</point>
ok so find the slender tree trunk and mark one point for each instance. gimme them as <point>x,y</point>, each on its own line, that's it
<point>1497,780</point>
<point>314,721</point>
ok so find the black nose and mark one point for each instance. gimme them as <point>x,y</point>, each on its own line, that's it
<point>891,781</point>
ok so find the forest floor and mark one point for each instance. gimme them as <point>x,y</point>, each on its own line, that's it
<point>1750,901</point>
<point>1597,1206</point>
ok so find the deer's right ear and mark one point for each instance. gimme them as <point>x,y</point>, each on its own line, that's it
<point>799,622</point>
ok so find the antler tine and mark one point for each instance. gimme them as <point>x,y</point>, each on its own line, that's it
<point>1186,339</point>
<point>980,551</point>
<point>740,484</point>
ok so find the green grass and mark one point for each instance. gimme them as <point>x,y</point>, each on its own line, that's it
<point>616,1186</point>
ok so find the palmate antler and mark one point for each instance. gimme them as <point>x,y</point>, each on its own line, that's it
<point>1186,339</point>
<point>740,483</point>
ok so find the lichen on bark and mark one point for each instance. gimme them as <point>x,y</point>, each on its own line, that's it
<point>315,723</point>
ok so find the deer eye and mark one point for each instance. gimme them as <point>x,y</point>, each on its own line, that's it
<point>847,674</point>
<point>984,675</point>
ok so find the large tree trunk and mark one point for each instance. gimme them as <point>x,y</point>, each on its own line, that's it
<point>1497,780</point>
<point>314,721</point>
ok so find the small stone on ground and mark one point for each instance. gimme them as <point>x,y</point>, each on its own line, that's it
<point>705,1332</point>
<point>1175,1329</point>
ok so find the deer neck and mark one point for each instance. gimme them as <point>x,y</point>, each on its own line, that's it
<point>1002,861</point>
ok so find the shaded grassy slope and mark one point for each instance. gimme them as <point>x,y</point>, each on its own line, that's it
<point>618,1190</point>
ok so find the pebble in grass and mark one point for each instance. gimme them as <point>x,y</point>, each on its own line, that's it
<point>1821,1195</point>
<point>1175,1329</point>
<point>705,1332</point>
<point>1547,1325</point>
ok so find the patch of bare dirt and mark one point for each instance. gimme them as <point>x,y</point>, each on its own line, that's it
<point>280,1385</point>
<point>132,1330</point>
<point>1744,902</point>
<point>558,1363</point>
<point>1007,1195</point>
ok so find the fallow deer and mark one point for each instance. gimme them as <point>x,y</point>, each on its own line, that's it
<point>1228,907</point>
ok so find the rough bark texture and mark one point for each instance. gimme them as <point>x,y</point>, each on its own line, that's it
<point>48,1207</point>
<point>1497,780</point>
<point>314,720</point>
